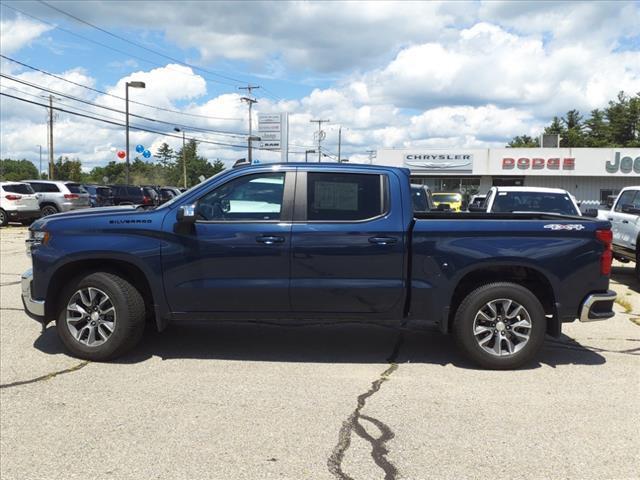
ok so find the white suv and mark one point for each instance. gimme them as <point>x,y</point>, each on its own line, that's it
<point>18,203</point>
<point>625,223</point>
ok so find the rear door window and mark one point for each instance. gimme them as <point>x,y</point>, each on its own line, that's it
<point>75,188</point>
<point>23,188</point>
<point>344,196</point>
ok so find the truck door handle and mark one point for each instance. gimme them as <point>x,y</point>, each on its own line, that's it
<point>383,240</point>
<point>269,239</point>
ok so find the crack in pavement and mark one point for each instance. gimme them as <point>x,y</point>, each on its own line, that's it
<point>587,348</point>
<point>379,450</point>
<point>48,376</point>
<point>10,283</point>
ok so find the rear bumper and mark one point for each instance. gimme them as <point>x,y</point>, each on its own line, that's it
<point>597,306</point>
<point>34,308</point>
<point>23,214</point>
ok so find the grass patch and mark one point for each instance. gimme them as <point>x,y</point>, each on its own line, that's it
<point>624,303</point>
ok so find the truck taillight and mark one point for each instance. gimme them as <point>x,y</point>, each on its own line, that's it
<point>71,196</point>
<point>146,200</point>
<point>13,197</point>
<point>606,237</point>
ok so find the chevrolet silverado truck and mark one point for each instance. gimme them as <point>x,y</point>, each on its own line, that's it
<point>331,242</point>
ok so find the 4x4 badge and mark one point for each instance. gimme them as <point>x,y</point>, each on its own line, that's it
<point>570,226</point>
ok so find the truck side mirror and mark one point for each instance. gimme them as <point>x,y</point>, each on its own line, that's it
<point>630,208</point>
<point>186,214</point>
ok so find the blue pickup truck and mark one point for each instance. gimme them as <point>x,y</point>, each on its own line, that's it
<point>322,242</point>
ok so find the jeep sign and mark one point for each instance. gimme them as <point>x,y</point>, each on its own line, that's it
<point>624,164</point>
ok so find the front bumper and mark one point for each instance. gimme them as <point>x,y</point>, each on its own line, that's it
<point>597,306</point>
<point>34,308</point>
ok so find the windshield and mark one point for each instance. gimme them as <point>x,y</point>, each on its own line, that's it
<point>447,197</point>
<point>507,202</point>
<point>22,188</point>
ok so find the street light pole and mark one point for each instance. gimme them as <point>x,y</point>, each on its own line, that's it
<point>184,158</point>
<point>306,155</point>
<point>40,170</point>
<point>126,100</point>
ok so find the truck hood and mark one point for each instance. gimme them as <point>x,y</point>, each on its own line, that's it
<point>85,213</point>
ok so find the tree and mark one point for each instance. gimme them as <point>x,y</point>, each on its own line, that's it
<point>524,141</point>
<point>165,155</point>
<point>196,166</point>
<point>16,170</point>
<point>597,130</point>
<point>67,169</point>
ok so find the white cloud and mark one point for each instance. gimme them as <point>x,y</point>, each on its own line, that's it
<point>19,32</point>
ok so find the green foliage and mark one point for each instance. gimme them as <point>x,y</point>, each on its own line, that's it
<point>16,170</point>
<point>67,169</point>
<point>524,141</point>
<point>617,125</point>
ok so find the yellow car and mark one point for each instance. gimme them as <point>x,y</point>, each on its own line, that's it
<point>453,200</point>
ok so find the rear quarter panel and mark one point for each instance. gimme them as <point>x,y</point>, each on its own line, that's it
<point>444,251</point>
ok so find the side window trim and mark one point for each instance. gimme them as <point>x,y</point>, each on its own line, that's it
<point>287,200</point>
<point>619,203</point>
<point>300,209</point>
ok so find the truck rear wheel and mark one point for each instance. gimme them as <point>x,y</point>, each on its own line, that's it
<point>500,326</point>
<point>101,316</point>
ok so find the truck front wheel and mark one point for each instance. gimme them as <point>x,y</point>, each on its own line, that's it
<point>500,325</point>
<point>101,316</point>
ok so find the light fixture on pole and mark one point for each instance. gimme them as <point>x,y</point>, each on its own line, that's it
<point>184,158</point>
<point>306,155</point>
<point>133,84</point>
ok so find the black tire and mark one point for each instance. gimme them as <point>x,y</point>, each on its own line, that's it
<point>4,218</point>
<point>130,317</point>
<point>463,327</point>
<point>49,210</point>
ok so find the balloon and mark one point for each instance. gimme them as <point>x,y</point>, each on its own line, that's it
<point>146,154</point>
<point>121,154</point>
<point>139,148</point>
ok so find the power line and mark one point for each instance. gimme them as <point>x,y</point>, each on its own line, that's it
<point>112,95</point>
<point>104,45</point>
<point>76,99</point>
<point>139,45</point>
<point>118,124</point>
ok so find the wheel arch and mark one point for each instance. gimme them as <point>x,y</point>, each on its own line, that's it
<point>125,268</point>
<point>529,277</point>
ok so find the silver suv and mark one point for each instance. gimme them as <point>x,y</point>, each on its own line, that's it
<point>59,196</point>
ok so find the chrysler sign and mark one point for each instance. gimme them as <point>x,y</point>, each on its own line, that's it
<point>440,161</point>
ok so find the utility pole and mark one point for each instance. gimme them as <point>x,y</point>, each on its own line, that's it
<point>372,153</point>
<point>320,136</point>
<point>51,168</point>
<point>184,158</point>
<point>250,101</point>
<point>132,84</point>
<point>40,169</point>
<point>339,143</point>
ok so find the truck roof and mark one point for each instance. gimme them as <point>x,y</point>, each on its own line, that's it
<point>531,189</point>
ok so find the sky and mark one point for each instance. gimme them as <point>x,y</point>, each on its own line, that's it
<point>388,74</point>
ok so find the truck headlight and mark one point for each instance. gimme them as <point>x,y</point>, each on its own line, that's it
<point>36,238</point>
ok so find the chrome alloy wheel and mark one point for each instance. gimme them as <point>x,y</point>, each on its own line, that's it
<point>91,316</point>
<point>502,327</point>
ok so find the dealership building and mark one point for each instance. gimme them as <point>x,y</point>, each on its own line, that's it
<point>589,174</point>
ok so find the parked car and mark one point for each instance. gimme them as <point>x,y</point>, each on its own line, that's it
<point>421,197</point>
<point>18,203</point>
<point>167,193</point>
<point>625,220</point>
<point>529,199</point>
<point>317,241</point>
<point>99,195</point>
<point>134,195</point>
<point>57,196</point>
<point>447,201</point>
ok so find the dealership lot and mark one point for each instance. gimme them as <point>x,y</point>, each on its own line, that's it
<point>231,400</point>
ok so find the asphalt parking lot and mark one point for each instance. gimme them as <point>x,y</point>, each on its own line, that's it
<point>254,401</point>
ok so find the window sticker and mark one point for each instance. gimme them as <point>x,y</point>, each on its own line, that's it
<point>335,196</point>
